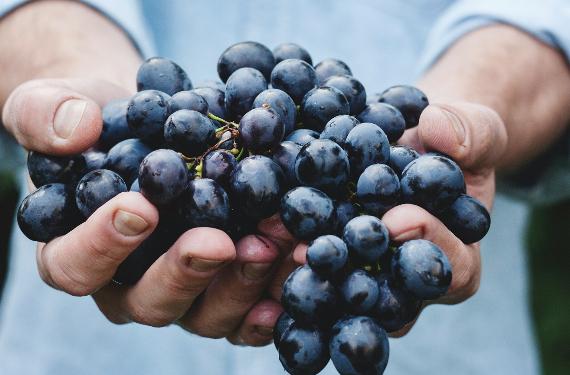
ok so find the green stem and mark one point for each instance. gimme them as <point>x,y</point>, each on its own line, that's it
<point>218,119</point>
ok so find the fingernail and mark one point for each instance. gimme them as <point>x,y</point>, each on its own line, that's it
<point>256,271</point>
<point>68,116</point>
<point>409,235</point>
<point>456,124</point>
<point>264,331</point>
<point>203,265</point>
<point>129,224</point>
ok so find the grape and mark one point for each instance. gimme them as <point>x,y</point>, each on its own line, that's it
<point>261,129</point>
<point>359,346</point>
<point>378,189</point>
<point>327,255</point>
<point>324,165</point>
<point>344,212</point>
<point>395,307</point>
<point>422,269</point>
<point>163,176</point>
<point>286,51</point>
<point>47,169</point>
<point>320,105</point>
<point>188,100</point>
<point>432,182</point>
<point>309,298</point>
<point>211,83</point>
<point>245,54</point>
<point>215,98</point>
<point>218,165</point>
<point>283,323</point>
<point>125,157</point>
<point>330,67</point>
<point>189,132</point>
<point>467,218</point>
<point>366,145</point>
<point>94,160</point>
<point>387,117</point>
<point>400,157</point>
<point>158,73</point>
<point>96,188</point>
<point>409,100</point>
<point>366,238</point>
<point>303,350</point>
<point>307,213</point>
<point>374,98</point>
<point>47,213</point>
<point>256,186</point>
<point>338,127</point>
<point>359,291</point>
<point>115,127</point>
<point>284,155</point>
<point>302,136</point>
<point>205,204</point>
<point>281,103</point>
<point>352,89</point>
<point>135,186</point>
<point>241,89</point>
<point>146,114</point>
<point>295,77</point>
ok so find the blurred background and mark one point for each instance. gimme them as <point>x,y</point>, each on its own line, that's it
<point>548,243</point>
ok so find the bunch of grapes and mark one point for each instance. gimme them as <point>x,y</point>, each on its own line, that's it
<point>278,136</point>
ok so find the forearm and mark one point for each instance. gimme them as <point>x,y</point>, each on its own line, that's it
<point>50,39</point>
<point>525,81</point>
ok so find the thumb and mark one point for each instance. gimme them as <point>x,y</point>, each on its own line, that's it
<point>58,116</point>
<point>471,134</point>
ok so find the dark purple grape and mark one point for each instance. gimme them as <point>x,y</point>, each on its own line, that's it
<point>135,186</point>
<point>409,100</point>
<point>215,98</point>
<point>158,73</point>
<point>261,129</point>
<point>309,298</point>
<point>188,100</point>
<point>395,307</point>
<point>115,126</point>
<point>284,155</point>
<point>286,51</point>
<point>330,67</point>
<point>218,165</point>
<point>344,212</point>
<point>241,90</point>
<point>422,268</point>
<point>48,169</point>
<point>366,238</point>
<point>189,132</point>
<point>281,103</point>
<point>146,114</point>
<point>211,83</point>
<point>283,323</point>
<point>400,157</point>
<point>307,213</point>
<point>256,186</point>
<point>125,157</point>
<point>245,54</point>
<point>47,213</point>
<point>163,176</point>
<point>323,164</point>
<point>359,346</point>
<point>96,188</point>
<point>204,204</point>
<point>432,182</point>
<point>467,218</point>
<point>378,189</point>
<point>387,117</point>
<point>303,350</point>
<point>359,291</point>
<point>94,160</point>
<point>320,105</point>
<point>338,127</point>
<point>366,145</point>
<point>352,89</point>
<point>295,77</point>
<point>227,141</point>
<point>327,255</point>
<point>302,136</point>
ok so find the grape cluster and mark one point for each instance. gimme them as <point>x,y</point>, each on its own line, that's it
<point>279,135</point>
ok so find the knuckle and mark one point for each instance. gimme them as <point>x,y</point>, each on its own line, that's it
<point>204,330</point>
<point>148,317</point>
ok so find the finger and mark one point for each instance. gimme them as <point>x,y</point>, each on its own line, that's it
<point>86,258</point>
<point>407,222</point>
<point>170,286</point>
<point>257,327</point>
<point>57,116</point>
<point>300,253</point>
<point>273,229</point>
<point>286,266</point>
<point>234,291</point>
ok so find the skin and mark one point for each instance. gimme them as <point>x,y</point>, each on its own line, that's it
<point>485,113</point>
